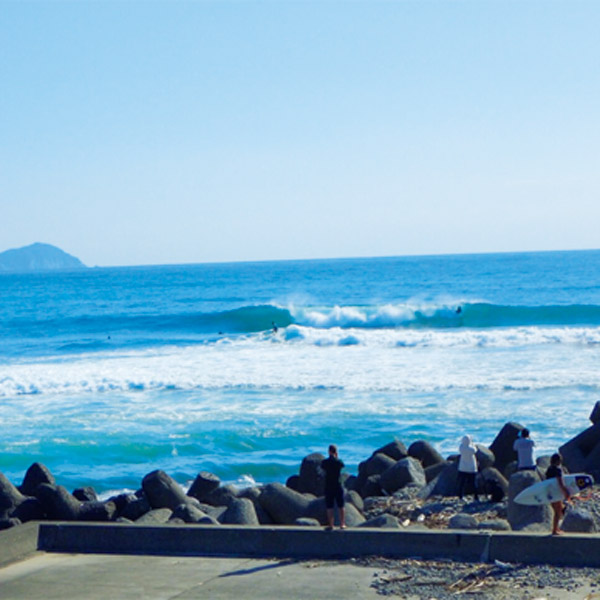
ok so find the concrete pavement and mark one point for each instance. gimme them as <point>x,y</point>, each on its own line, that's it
<point>52,576</point>
<point>89,561</point>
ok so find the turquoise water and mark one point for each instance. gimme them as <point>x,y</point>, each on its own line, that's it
<point>106,374</point>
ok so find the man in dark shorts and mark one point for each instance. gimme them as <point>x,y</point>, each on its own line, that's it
<point>334,494</point>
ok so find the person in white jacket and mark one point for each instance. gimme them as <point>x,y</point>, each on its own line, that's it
<point>467,466</point>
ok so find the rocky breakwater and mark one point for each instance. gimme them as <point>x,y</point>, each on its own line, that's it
<point>395,487</point>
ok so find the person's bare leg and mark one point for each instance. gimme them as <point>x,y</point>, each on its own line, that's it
<point>342,518</point>
<point>557,508</point>
<point>330,518</point>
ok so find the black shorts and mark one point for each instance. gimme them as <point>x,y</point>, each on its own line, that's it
<point>334,496</point>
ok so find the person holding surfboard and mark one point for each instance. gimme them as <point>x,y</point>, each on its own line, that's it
<point>555,470</point>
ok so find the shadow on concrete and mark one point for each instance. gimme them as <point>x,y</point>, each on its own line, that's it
<point>280,563</point>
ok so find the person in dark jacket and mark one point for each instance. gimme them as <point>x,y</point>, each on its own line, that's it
<point>334,493</point>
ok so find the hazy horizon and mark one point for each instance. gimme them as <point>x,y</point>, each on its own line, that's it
<point>316,258</point>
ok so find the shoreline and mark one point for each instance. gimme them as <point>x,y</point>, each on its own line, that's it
<point>395,488</point>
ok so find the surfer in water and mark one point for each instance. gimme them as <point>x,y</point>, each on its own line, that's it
<point>555,470</point>
<point>275,328</point>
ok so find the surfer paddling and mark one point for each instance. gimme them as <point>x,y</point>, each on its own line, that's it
<point>555,470</point>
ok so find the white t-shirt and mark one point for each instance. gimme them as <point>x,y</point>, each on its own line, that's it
<point>524,450</point>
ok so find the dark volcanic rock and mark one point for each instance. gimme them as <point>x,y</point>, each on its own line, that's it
<point>371,487</point>
<point>375,465</point>
<point>135,507</point>
<point>318,510</point>
<point>311,478</point>
<point>188,513</point>
<point>204,484</point>
<point>396,450</point>
<point>502,446</point>
<point>582,453</point>
<point>222,496</point>
<point>240,512</point>
<point>384,521</point>
<point>351,483</point>
<point>163,491</point>
<point>485,457</point>
<point>36,474</point>
<point>462,521</point>
<point>30,509</point>
<point>208,520</point>
<point>216,512</point>
<point>578,520</point>
<point>86,494</point>
<point>97,511</point>
<point>58,503</point>
<point>253,494</point>
<point>10,496</point>
<point>446,483</point>
<point>434,470</point>
<point>405,471</point>
<point>493,482</point>
<point>355,498</point>
<point>121,500</point>
<point>293,482</point>
<point>282,504</point>
<point>155,517</point>
<point>509,469</point>
<point>521,517</point>
<point>595,415</point>
<point>425,453</point>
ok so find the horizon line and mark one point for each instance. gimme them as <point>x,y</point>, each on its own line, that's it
<point>327,258</point>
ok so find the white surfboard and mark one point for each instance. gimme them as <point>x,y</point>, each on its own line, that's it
<point>547,491</point>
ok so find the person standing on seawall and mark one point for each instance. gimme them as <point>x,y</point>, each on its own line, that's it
<point>334,493</point>
<point>555,470</point>
<point>523,446</point>
<point>467,466</point>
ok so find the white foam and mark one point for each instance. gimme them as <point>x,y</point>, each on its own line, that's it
<point>354,316</point>
<point>351,359</point>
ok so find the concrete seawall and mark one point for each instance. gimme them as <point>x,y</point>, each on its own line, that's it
<point>297,542</point>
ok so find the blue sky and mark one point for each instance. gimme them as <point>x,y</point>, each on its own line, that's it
<point>170,132</point>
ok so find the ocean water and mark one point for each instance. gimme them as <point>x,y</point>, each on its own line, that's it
<point>109,373</point>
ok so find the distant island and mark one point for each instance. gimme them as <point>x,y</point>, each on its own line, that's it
<point>38,257</point>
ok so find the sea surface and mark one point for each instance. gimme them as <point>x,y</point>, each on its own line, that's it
<point>244,368</point>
